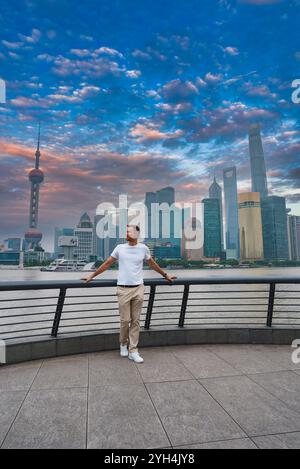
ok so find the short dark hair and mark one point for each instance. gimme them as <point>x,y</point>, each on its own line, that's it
<point>135,226</point>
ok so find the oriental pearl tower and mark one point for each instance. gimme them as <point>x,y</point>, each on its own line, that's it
<point>36,177</point>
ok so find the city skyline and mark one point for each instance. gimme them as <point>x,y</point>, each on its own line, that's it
<point>161,104</point>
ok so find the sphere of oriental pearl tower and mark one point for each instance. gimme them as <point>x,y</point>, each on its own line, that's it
<point>36,176</point>
<point>33,236</point>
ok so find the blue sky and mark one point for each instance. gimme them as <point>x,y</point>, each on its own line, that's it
<point>134,96</point>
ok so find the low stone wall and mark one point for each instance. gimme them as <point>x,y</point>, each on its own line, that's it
<point>21,351</point>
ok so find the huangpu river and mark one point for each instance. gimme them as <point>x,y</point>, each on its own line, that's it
<point>30,313</point>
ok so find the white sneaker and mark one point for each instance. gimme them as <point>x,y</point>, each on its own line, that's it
<point>123,350</point>
<point>135,356</point>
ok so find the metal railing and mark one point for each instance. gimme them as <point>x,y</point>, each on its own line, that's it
<point>27,312</point>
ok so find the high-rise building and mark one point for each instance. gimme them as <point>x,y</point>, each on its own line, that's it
<point>12,244</point>
<point>33,236</point>
<point>98,241</point>
<point>231,213</point>
<point>191,249</point>
<point>250,226</point>
<point>294,237</point>
<point>111,230</point>
<point>84,233</point>
<point>275,232</point>
<point>166,198</point>
<point>58,232</point>
<point>215,192</point>
<point>212,228</point>
<point>150,226</point>
<point>257,161</point>
<point>164,223</point>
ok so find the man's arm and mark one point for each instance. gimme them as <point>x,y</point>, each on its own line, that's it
<point>154,265</point>
<point>105,265</point>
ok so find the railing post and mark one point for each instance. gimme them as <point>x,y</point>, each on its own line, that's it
<point>271,304</point>
<point>150,307</point>
<point>183,305</point>
<point>59,308</point>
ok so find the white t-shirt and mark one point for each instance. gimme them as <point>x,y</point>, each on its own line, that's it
<point>131,262</point>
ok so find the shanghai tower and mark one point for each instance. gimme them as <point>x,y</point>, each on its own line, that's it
<point>36,177</point>
<point>257,160</point>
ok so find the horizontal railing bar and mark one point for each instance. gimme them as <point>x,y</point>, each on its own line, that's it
<point>228,291</point>
<point>287,297</point>
<point>288,291</point>
<point>91,310</point>
<point>214,298</point>
<point>92,330</point>
<point>230,298</point>
<point>82,319</point>
<point>91,324</point>
<point>225,310</point>
<point>285,305</point>
<point>220,318</point>
<point>27,322</point>
<point>90,303</point>
<point>237,280</point>
<point>26,307</point>
<point>201,313</point>
<point>216,304</point>
<point>27,330</point>
<point>96,296</point>
<point>280,318</point>
<point>87,310</point>
<point>223,318</point>
<point>31,299</point>
<point>25,315</point>
<point>223,324</point>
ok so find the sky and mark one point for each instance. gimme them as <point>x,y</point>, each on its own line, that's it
<point>134,96</point>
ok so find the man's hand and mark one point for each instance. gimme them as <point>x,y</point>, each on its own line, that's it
<point>170,278</point>
<point>86,279</point>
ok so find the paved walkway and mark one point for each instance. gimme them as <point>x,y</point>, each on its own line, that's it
<point>218,396</point>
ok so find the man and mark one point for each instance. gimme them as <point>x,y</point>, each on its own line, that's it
<point>130,288</point>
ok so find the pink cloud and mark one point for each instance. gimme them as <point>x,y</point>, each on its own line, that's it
<point>145,133</point>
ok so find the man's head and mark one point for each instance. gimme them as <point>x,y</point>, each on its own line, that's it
<point>132,232</point>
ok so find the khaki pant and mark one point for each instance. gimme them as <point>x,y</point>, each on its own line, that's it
<point>130,307</point>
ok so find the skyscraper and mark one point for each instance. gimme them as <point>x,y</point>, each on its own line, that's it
<point>84,233</point>
<point>215,192</point>
<point>212,228</point>
<point>58,250</point>
<point>166,196</point>
<point>164,222</point>
<point>98,242</point>
<point>251,237</point>
<point>294,237</point>
<point>257,161</point>
<point>150,199</point>
<point>274,223</point>
<point>33,237</point>
<point>231,213</point>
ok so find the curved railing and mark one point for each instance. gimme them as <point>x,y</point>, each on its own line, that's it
<point>50,308</point>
